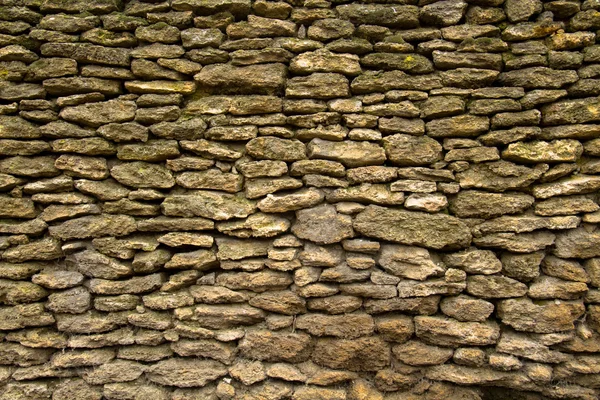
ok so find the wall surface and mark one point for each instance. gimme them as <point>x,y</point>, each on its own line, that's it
<point>307,200</point>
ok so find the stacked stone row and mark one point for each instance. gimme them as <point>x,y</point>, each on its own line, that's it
<point>256,200</point>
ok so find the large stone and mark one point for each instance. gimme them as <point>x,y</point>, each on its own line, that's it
<point>465,308</point>
<point>367,193</point>
<point>185,372</point>
<point>322,225</point>
<point>500,176</point>
<point>325,61</point>
<point>361,354</point>
<point>578,243</point>
<point>255,281</point>
<point>537,78</point>
<point>495,287</point>
<point>43,249</point>
<point>318,86</point>
<point>539,152</point>
<point>459,126</point>
<point>276,346</point>
<point>88,53</point>
<point>256,225</point>
<point>409,262</point>
<point>474,261</point>
<point>578,184</point>
<point>141,175</point>
<point>302,198</point>
<point>445,331</point>
<point>252,79</point>
<point>16,208</point>
<point>37,167</point>
<point>273,148</point>
<point>418,353</point>
<point>435,231</point>
<point>479,204</point>
<point>96,265</point>
<point>283,302</point>
<point>400,16</point>
<point>540,317</point>
<point>411,63</point>
<point>96,114</point>
<point>408,150</point>
<point>349,153</point>
<point>94,226</point>
<point>211,179</point>
<point>208,204</point>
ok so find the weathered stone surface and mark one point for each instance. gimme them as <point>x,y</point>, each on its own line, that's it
<point>140,174</point>
<point>182,372</point>
<point>322,225</point>
<point>362,354</point>
<point>96,114</point>
<point>349,153</point>
<point>252,79</point>
<point>412,228</point>
<point>208,204</point>
<point>94,226</point>
<point>276,346</point>
<point>540,317</point>
<point>272,148</point>
<point>409,262</point>
<point>478,204</point>
<point>447,332</point>
<point>407,150</point>
<point>500,176</point>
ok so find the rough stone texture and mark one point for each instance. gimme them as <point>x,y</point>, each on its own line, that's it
<point>305,200</point>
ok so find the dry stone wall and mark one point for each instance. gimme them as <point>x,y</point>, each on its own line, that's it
<point>307,200</point>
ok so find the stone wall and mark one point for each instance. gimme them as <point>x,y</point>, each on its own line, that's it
<point>307,200</point>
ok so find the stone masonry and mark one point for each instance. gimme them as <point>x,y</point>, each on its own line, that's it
<point>299,199</point>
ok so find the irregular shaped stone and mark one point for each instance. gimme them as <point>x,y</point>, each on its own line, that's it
<point>347,326</point>
<point>252,79</point>
<point>325,61</point>
<point>478,204</point>
<point>318,86</point>
<point>537,78</point>
<point>93,264</point>
<point>404,17</point>
<point>276,346</point>
<point>39,167</point>
<point>135,285</point>
<point>578,184</point>
<point>459,126</point>
<point>408,150</point>
<point>43,249</point>
<point>184,372</point>
<point>409,262</point>
<point>282,302</point>
<point>444,331</point>
<point>96,114</point>
<point>303,198</point>
<point>208,204</point>
<point>362,354</point>
<point>273,148</point>
<point>539,151</point>
<point>349,153</point>
<point>500,176</point>
<point>322,225</point>
<point>256,281</point>
<point>577,243</point>
<point>540,317</point>
<point>412,228</point>
<point>140,174</point>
